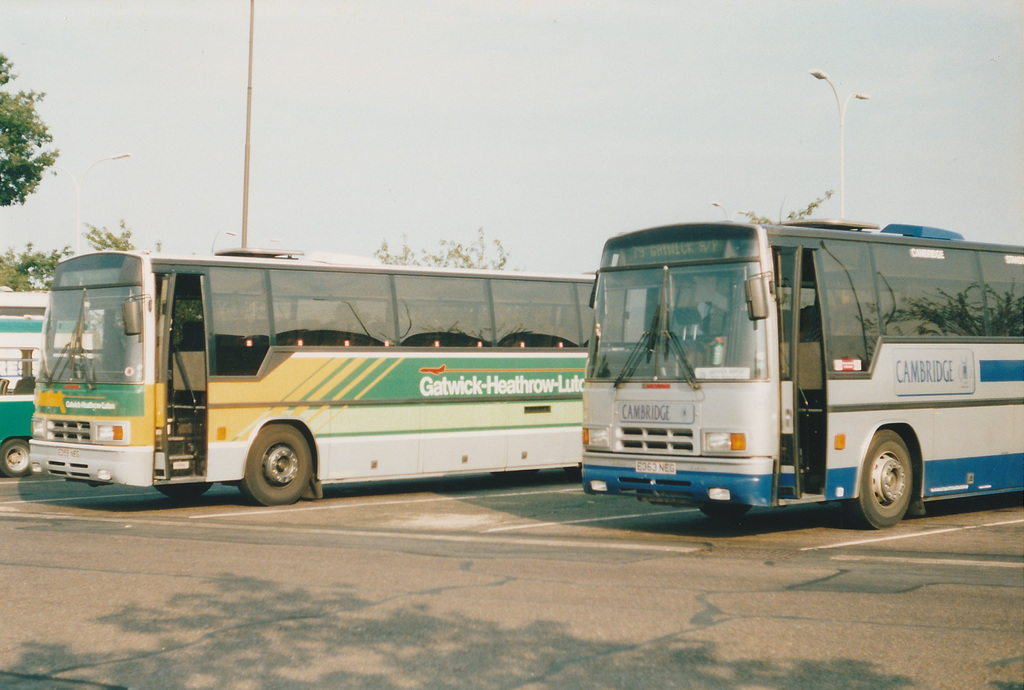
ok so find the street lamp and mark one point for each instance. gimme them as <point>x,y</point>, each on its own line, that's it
<point>726,211</point>
<point>818,74</point>
<point>213,246</point>
<point>78,195</point>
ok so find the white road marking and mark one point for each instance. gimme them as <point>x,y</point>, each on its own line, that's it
<point>929,561</point>
<point>912,535</point>
<point>536,525</point>
<point>602,544</point>
<point>71,498</point>
<point>336,504</point>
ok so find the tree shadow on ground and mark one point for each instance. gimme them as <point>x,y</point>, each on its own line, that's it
<point>250,633</point>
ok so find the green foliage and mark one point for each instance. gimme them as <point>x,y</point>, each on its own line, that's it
<point>450,254</point>
<point>22,139</point>
<point>32,269</point>
<point>805,212</point>
<point>101,238</point>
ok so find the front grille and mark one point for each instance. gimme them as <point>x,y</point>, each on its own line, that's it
<point>643,486</point>
<point>658,440</point>
<point>69,470</point>
<point>69,430</point>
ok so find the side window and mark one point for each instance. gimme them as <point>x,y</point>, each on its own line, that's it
<point>928,291</point>
<point>438,311</point>
<point>1004,293</point>
<point>240,322</point>
<point>535,314</point>
<point>328,309</point>
<point>851,312</point>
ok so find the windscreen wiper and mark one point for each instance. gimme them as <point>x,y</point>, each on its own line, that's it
<point>649,341</point>
<point>673,345</point>
<point>72,347</point>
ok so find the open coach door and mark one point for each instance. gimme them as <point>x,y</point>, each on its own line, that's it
<point>181,455</point>
<point>802,390</point>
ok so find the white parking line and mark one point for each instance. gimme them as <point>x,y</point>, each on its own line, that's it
<point>535,525</point>
<point>912,535</point>
<point>69,498</point>
<point>602,544</point>
<point>929,561</point>
<point>337,504</point>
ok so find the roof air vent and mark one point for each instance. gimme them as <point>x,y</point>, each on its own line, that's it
<point>922,232</point>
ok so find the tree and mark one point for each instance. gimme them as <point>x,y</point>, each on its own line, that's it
<point>806,212</point>
<point>32,269</point>
<point>23,137</point>
<point>101,238</point>
<point>450,254</point>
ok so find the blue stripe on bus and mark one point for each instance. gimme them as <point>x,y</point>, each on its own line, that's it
<point>990,473</point>
<point>747,489</point>
<point>997,370</point>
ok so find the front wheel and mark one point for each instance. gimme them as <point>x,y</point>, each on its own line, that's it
<point>278,467</point>
<point>14,458</point>
<point>886,483</point>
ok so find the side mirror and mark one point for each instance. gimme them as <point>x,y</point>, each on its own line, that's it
<point>131,313</point>
<point>758,299</point>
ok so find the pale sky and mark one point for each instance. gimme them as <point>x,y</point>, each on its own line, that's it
<point>551,125</point>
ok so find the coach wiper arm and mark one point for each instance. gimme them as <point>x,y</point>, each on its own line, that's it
<point>72,348</point>
<point>644,344</point>
<point>673,345</point>
<point>648,342</point>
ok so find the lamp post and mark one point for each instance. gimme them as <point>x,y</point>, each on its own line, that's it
<point>726,211</point>
<point>213,246</point>
<point>78,195</point>
<point>248,128</point>
<point>818,74</point>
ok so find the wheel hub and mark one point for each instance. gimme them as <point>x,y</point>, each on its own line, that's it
<point>16,459</point>
<point>888,480</point>
<point>280,465</point>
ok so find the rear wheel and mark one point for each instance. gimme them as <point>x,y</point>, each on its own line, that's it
<point>14,458</point>
<point>278,467</point>
<point>886,483</point>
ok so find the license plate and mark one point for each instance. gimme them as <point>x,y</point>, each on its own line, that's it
<point>649,467</point>
<point>68,453</point>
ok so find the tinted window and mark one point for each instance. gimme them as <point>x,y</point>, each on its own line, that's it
<point>535,314</point>
<point>241,325</point>
<point>313,309</point>
<point>436,311</point>
<point>1004,293</point>
<point>928,291</point>
<point>850,308</point>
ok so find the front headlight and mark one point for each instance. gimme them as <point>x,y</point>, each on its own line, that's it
<point>39,428</point>
<point>724,441</point>
<point>595,437</point>
<point>106,432</point>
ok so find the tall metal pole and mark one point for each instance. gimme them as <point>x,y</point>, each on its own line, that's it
<point>248,127</point>
<point>818,74</point>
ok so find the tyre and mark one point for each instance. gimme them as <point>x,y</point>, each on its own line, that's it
<point>14,458</point>
<point>278,467</point>
<point>886,483</point>
<point>184,492</point>
<point>725,512</point>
